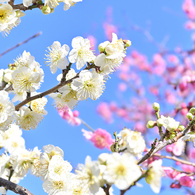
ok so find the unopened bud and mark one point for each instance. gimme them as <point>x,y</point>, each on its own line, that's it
<point>12,66</point>
<point>103,158</point>
<point>159,122</point>
<point>181,128</point>
<point>46,10</point>
<point>189,116</point>
<point>156,106</point>
<point>151,124</point>
<point>127,43</point>
<point>20,13</point>
<point>172,135</point>
<point>112,148</point>
<point>102,46</point>
<point>52,10</point>
<point>192,111</point>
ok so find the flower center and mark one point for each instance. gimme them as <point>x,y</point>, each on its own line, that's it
<point>120,170</point>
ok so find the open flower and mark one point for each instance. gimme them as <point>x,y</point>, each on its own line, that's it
<point>81,52</point>
<point>88,85</point>
<point>121,170</point>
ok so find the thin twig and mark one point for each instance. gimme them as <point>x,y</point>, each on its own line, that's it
<point>161,145</point>
<point>84,123</point>
<point>21,43</point>
<point>176,159</point>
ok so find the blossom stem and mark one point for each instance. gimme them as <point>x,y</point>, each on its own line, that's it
<point>84,123</point>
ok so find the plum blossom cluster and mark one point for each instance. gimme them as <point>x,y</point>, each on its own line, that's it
<point>10,14</point>
<point>9,17</point>
<point>56,173</point>
<point>90,81</point>
<point>24,77</point>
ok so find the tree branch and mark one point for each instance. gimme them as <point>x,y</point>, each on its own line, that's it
<point>14,187</point>
<point>176,159</point>
<point>52,90</point>
<point>161,144</point>
<point>21,43</point>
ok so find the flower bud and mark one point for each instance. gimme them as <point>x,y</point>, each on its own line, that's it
<point>46,10</point>
<point>160,122</point>
<point>189,116</point>
<point>127,43</point>
<point>20,13</point>
<point>151,124</point>
<point>192,111</point>
<point>181,128</point>
<point>52,10</point>
<point>102,46</point>
<point>156,106</point>
<point>103,158</point>
<point>112,148</point>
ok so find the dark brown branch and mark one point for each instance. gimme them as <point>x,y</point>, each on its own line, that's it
<point>21,43</point>
<point>106,189</point>
<point>52,90</point>
<point>14,187</point>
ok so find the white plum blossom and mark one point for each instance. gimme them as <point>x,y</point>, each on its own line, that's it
<point>81,52</point>
<point>89,174</point>
<point>58,187</point>
<point>168,123</point>
<point>111,56</point>
<point>6,107</point>
<point>7,75</point>
<point>88,85</point>
<point>135,143</point>
<point>189,137</point>
<point>38,105</point>
<point>52,150</point>
<point>5,125</point>
<point>66,96</point>
<point>27,3</point>
<point>51,3</point>
<point>58,168</point>
<point>57,56</point>
<point>121,170</point>
<point>69,3</point>
<point>42,166</point>
<point>22,162</point>
<point>28,119</point>
<point>9,18</point>
<point>14,143</point>
<point>154,175</point>
<point>24,80</point>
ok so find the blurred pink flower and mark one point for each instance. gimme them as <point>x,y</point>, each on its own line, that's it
<point>190,25</point>
<point>176,148</point>
<point>170,172</point>
<point>93,41</point>
<point>186,181</point>
<point>104,111</point>
<point>71,117</point>
<point>122,87</point>
<point>189,9</point>
<point>101,138</point>
<point>188,168</point>
<point>109,29</point>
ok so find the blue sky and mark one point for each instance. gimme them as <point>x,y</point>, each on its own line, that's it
<point>166,19</point>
